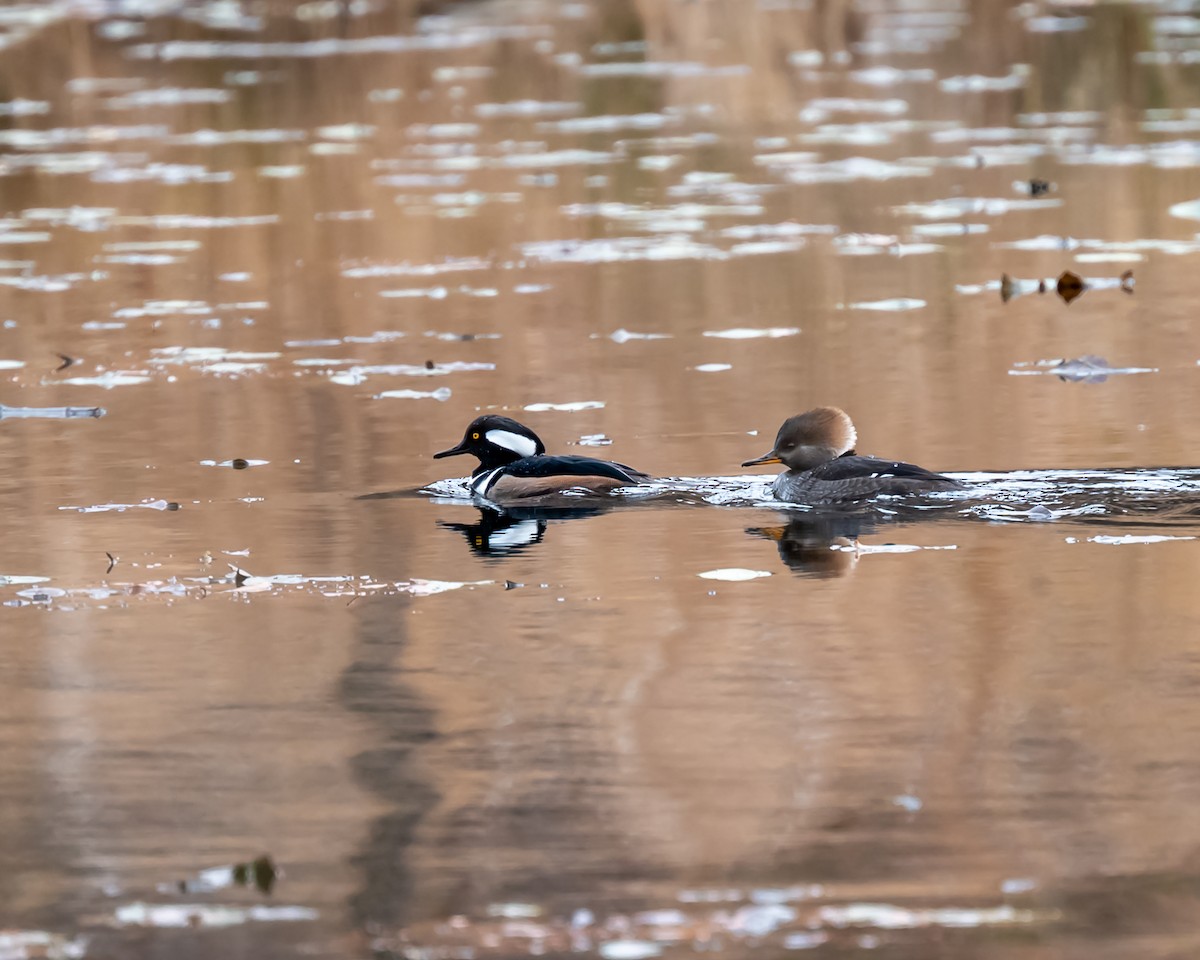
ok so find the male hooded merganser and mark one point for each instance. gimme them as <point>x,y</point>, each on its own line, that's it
<point>817,447</point>
<point>513,464</point>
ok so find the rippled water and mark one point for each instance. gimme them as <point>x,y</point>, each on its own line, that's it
<point>273,684</point>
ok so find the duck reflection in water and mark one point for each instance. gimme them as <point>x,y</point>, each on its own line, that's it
<point>816,545</point>
<point>502,532</point>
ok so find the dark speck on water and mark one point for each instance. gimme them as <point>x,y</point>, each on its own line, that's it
<point>682,719</point>
<point>1070,286</point>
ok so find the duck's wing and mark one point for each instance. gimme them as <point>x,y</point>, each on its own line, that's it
<point>872,468</point>
<point>543,475</point>
<point>567,466</point>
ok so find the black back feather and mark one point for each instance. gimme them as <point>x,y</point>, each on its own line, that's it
<point>861,468</point>
<point>550,466</point>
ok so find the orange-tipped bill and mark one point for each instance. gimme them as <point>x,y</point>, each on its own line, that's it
<point>771,457</point>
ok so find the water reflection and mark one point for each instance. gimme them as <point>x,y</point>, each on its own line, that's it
<point>817,545</point>
<point>315,239</point>
<point>503,531</point>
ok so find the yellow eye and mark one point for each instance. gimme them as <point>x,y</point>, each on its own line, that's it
<point>474,436</point>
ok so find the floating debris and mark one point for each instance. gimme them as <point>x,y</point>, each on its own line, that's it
<point>238,463</point>
<point>1070,286</point>
<point>1087,369</point>
<point>261,873</point>
<point>122,507</point>
<point>51,413</point>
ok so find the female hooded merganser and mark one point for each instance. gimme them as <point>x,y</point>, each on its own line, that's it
<point>817,447</point>
<point>513,464</point>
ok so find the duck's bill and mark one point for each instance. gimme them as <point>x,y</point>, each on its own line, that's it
<point>765,458</point>
<point>452,452</point>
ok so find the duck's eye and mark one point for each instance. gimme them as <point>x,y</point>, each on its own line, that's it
<point>474,436</point>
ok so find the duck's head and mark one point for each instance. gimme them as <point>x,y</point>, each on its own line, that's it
<point>810,439</point>
<point>496,441</point>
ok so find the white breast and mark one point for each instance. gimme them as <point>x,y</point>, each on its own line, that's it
<point>481,483</point>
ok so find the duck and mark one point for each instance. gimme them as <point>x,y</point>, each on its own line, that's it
<point>514,465</point>
<point>817,447</point>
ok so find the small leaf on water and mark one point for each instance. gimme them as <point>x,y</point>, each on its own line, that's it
<point>1070,286</point>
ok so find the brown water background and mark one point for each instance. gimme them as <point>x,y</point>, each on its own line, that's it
<point>245,223</point>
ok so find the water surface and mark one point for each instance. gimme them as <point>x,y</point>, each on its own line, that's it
<point>288,253</point>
